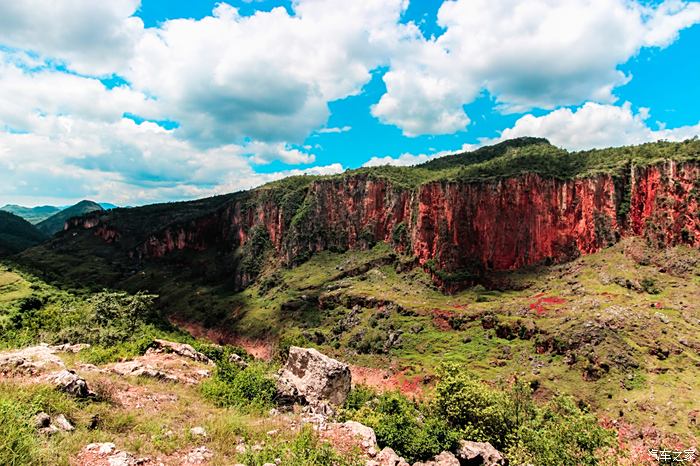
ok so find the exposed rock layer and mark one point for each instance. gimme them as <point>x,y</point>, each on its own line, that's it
<point>455,229</point>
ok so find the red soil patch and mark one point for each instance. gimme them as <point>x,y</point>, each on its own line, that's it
<point>539,306</point>
<point>258,348</point>
<point>441,318</point>
<point>384,380</point>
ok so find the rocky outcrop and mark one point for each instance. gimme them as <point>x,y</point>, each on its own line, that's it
<point>70,382</point>
<point>312,378</point>
<point>183,349</point>
<point>479,453</point>
<point>35,360</point>
<point>457,230</point>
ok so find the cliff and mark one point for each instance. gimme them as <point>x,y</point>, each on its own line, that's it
<point>458,221</point>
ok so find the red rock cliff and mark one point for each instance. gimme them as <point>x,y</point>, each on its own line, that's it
<point>455,229</point>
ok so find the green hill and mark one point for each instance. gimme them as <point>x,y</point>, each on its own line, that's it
<point>54,224</point>
<point>33,215</point>
<point>17,234</point>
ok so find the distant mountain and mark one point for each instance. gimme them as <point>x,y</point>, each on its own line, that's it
<point>54,224</point>
<point>33,215</point>
<point>17,234</point>
<point>108,206</point>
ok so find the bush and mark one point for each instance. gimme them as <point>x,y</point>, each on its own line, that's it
<point>409,428</point>
<point>649,285</point>
<point>480,412</point>
<point>561,433</point>
<point>464,408</point>
<point>249,388</point>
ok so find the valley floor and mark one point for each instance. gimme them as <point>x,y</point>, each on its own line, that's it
<point>617,331</point>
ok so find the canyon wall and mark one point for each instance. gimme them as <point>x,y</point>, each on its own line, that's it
<point>455,229</point>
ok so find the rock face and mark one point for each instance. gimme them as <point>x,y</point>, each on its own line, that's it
<point>477,453</point>
<point>456,230</point>
<point>312,378</point>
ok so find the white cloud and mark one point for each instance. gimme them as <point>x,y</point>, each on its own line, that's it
<point>94,37</point>
<point>268,76</point>
<point>339,129</point>
<point>408,159</point>
<point>595,126</point>
<point>540,53</point>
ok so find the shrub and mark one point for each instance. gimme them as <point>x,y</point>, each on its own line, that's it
<point>249,388</point>
<point>560,433</point>
<point>480,412</point>
<point>409,428</point>
<point>649,285</point>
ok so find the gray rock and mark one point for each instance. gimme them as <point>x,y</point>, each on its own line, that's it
<point>198,432</point>
<point>138,369</point>
<point>479,453</point>
<point>63,424</point>
<point>311,377</point>
<point>182,349</point>
<point>237,360</point>
<point>387,457</point>
<point>443,459</point>
<point>42,420</point>
<point>70,382</point>
<point>30,361</point>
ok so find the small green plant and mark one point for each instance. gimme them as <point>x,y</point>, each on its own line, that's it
<point>649,285</point>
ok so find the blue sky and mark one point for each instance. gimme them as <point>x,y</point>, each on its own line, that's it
<point>132,102</point>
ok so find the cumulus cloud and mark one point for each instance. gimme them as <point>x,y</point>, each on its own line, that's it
<point>268,76</point>
<point>408,159</point>
<point>595,126</point>
<point>541,53</point>
<point>93,37</point>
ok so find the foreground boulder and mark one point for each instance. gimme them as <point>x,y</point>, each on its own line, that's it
<point>71,383</point>
<point>313,378</point>
<point>479,453</point>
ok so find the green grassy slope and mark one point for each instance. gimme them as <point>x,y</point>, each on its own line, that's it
<point>16,234</point>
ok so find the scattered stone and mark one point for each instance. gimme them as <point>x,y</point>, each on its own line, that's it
<point>101,448</point>
<point>199,455</point>
<point>479,453</point>
<point>42,420</point>
<point>138,369</point>
<point>312,378</point>
<point>198,432</point>
<point>237,360</point>
<point>387,457</point>
<point>183,349</point>
<point>272,433</point>
<point>63,424</point>
<point>443,459</point>
<point>71,383</point>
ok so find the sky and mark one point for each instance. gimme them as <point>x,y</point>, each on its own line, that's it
<point>141,101</point>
